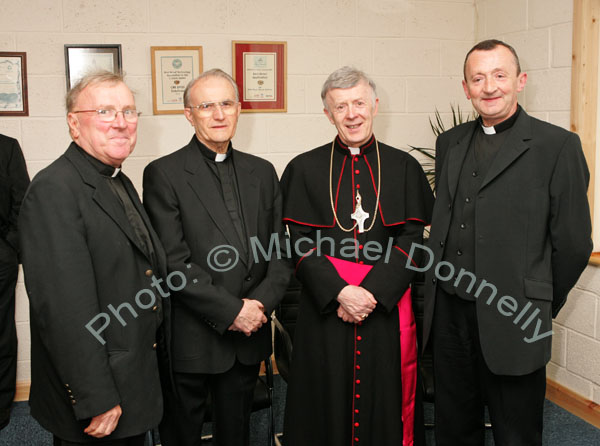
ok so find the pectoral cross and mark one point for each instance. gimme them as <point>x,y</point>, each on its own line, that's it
<point>359,215</point>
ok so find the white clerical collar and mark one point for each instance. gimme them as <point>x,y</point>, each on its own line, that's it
<point>220,157</point>
<point>488,130</point>
<point>116,172</point>
<point>354,150</point>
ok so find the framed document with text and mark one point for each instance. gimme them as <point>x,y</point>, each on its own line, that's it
<point>260,72</point>
<point>13,84</point>
<point>83,59</point>
<point>173,67</point>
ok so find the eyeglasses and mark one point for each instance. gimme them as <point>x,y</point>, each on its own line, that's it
<point>208,108</point>
<point>109,115</point>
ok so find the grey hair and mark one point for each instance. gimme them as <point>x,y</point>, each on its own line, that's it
<point>347,77</point>
<point>93,78</point>
<point>215,72</point>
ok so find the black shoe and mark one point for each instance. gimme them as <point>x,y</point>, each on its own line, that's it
<point>4,418</point>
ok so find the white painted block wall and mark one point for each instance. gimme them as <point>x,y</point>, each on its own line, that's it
<point>414,50</point>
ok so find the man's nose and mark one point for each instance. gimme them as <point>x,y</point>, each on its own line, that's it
<point>119,120</point>
<point>218,112</point>
<point>351,111</point>
<point>489,85</point>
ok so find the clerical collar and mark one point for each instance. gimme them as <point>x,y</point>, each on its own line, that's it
<point>103,169</point>
<point>504,125</point>
<point>212,155</point>
<point>353,151</point>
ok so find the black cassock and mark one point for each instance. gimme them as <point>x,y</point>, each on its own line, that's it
<point>345,386</point>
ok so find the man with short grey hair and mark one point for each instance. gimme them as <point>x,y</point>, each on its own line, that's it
<point>354,206</point>
<point>88,251</point>
<point>211,205</point>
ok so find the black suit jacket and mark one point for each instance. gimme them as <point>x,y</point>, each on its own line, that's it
<point>13,184</point>
<point>186,208</point>
<point>80,256</point>
<point>532,235</point>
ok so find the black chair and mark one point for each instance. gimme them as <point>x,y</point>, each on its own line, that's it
<point>425,358</point>
<point>263,399</point>
<point>284,320</point>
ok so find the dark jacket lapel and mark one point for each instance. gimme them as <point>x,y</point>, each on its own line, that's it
<point>201,182</point>
<point>456,157</point>
<point>161,258</point>
<point>248,186</point>
<point>513,147</point>
<point>103,195</point>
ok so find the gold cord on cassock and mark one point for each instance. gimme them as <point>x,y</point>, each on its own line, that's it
<point>331,190</point>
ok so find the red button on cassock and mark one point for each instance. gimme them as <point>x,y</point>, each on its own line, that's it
<point>357,396</point>
<point>357,171</point>
<point>356,410</point>
<point>361,262</point>
<point>358,381</point>
<point>360,246</point>
<point>359,338</point>
<point>358,352</point>
<point>356,424</point>
<point>356,439</point>
<point>358,186</point>
<point>357,367</point>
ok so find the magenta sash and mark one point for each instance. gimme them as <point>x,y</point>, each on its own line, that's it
<point>354,273</point>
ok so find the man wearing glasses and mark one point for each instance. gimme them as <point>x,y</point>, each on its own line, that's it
<point>210,204</point>
<point>88,250</point>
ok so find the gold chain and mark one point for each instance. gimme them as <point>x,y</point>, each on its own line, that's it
<point>331,190</point>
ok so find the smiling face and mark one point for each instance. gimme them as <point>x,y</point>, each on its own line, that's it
<point>352,110</point>
<point>492,83</point>
<point>216,129</point>
<point>109,142</point>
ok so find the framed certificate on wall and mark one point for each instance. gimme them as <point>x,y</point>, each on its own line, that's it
<point>260,72</point>
<point>83,59</point>
<point>13,84</point>
<point>173,67</point>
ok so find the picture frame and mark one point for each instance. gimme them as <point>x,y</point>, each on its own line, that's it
<point>173,67</point>
<point>82,59</point>
<point>260,72</point>
<point>13,84</point>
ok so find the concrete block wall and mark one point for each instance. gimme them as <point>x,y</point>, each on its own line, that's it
<point>541,32</point>
<point>412,48</point>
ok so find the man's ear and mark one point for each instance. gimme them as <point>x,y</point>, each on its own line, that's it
<point>466,88</point>
<point>329,116</point>
<point>188,115</point>
<point>522,80</point>
<point>73,123</point>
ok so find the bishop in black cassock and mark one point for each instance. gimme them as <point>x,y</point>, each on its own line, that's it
<point>346,383</point>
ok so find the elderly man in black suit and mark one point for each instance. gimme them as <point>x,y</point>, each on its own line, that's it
<point>13,184</point>
<point>212,206</point>
<point>92,261</point>
<point>510,236</point>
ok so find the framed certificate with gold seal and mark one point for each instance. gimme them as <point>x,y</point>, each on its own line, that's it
<point>260,72</point>
<point>173,67</point>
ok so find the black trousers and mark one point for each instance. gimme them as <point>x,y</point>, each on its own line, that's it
<point>464,384</point>
<point>138,440</point>
<point>231,396</point>
<point>9,267</point>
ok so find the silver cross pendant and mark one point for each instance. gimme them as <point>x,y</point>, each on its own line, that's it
<point>359,215</point>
